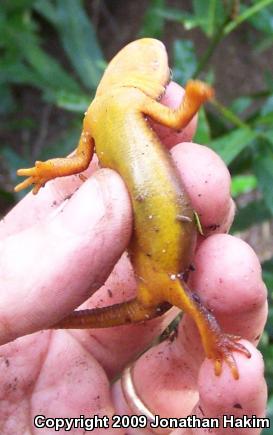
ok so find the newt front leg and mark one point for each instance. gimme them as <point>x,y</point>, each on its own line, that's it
<point>42,172</point>
<point>196,94</point>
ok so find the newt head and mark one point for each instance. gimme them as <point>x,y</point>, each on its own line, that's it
<point>142,64</point>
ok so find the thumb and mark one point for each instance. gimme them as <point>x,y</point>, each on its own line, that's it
<point>52,267</point>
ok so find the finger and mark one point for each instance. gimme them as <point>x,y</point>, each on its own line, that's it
<point>75,385</point>
<point>221,395</point>
<point>163,381</point>
<point>172,98</point>
<point>226,402</point>
<point>50,374</point>
<point>79,234</point>
<point>207,182</point>
<point>228,278</point>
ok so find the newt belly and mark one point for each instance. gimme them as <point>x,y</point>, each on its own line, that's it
<point>164,235</point>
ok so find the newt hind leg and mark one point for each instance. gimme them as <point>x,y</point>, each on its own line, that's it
<point>217,345</point>
<point>59,167</point>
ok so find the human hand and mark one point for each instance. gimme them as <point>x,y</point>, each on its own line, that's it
<point>56,252</point>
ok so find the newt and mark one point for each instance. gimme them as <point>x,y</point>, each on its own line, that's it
<point>164,235</point>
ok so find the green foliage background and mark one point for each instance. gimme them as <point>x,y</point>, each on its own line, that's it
<point>242,133</point>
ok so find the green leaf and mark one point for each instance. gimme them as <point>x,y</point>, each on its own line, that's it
<point>49,71</point>
<point>269,414</point>
<point>240,104</point>
<point>264,44</point>
<point>7,198</point>
<point>202,134</point>
<point>66,142</point>
<point>14,160</point>
<point>270,409</point>
<point>16,5</point>
<point>210,14</point>
<point>268,276</point>
<point>21,122</point>
<point>230,145</point>
<point>265,120</point>
<point>263,168</point>
<point>246,14</point>
<point>242,184</point>
<point>17,73</point>
<point>72,102</point>
<point>185,61</point>
<point>268,351</point>
<point>268,106</point>
<point>263,20</point>
<point>268,134</point>
<point>209,76</point>
<point>78,38</point>
<point>188,20</point>
<point>253,213</point>
<point>46,9</point>
<point>268,76</point>
<point>268,356</point>
<point>211,23</point>
<point>25,62</point>
<point>17,32</point>
<point>153,21</point>
<point>7,101</point>
<point>266,115</point>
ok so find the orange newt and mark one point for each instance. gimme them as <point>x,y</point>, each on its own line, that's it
<point>165,232</point>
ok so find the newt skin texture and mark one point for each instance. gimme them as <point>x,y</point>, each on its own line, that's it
<point>164,236</point>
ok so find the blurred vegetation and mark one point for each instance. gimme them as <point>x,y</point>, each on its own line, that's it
<point>241,133</point>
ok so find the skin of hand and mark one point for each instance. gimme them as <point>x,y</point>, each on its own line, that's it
<point>59,247</point>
